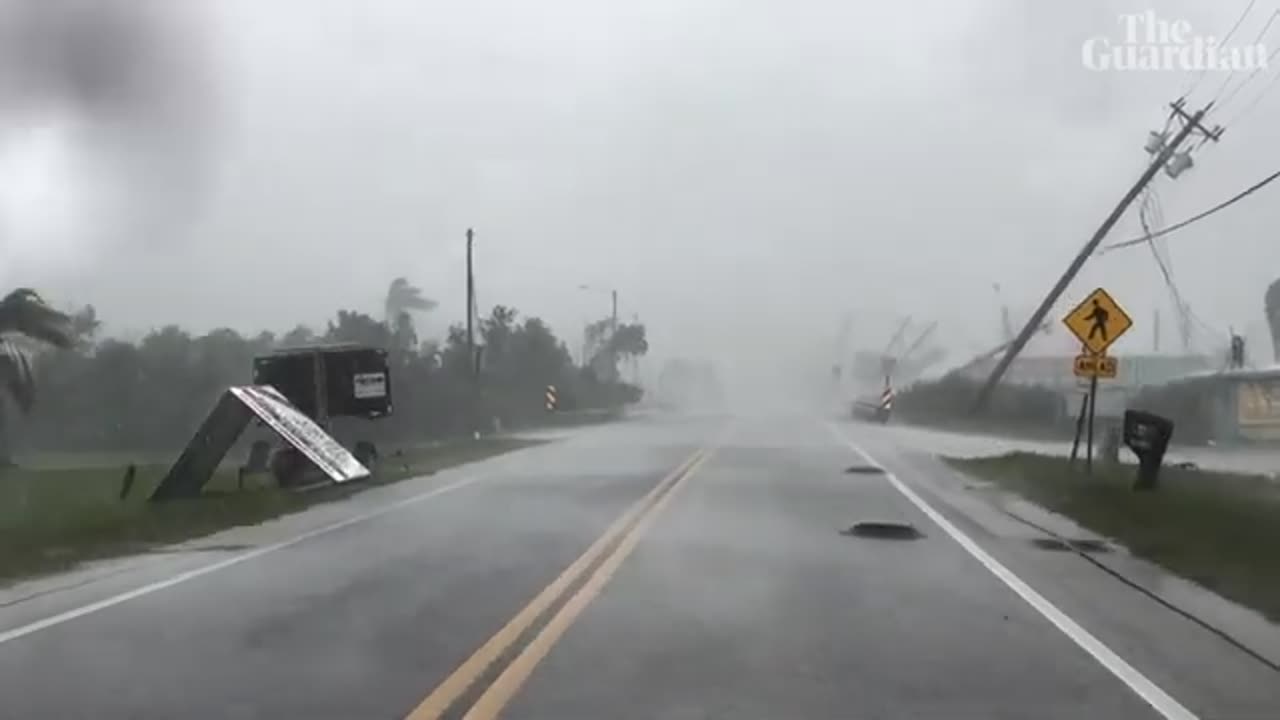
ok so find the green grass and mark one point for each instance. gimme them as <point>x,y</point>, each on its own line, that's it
<point>1217,529</point>
<point>1025,431</point>
<point>56,514</point>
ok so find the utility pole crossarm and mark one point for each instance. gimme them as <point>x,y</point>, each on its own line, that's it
<point>1194,120</point>
<point>1037,318</point>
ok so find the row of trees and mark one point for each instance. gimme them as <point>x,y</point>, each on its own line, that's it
<point>99,393</point>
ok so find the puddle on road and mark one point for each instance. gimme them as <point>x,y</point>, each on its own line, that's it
<point>864,470</point>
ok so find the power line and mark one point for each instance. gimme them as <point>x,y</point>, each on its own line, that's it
<point>1157,220</point>
<point>1266,89</point>
<point>1225,38</point>
<point>1210,330</point>
<point>1186,316</point>
<point>1143,212</point>
<point>1257,40</point>
<point>1158,206</point>
<point>1195,218</point>
<point>1179,305</point>
<point>1231,95</point>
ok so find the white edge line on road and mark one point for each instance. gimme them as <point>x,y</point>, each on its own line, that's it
<point>62,617</point>
<point>1139,683</point>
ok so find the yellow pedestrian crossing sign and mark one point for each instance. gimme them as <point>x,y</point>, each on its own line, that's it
<point>1098,321</point>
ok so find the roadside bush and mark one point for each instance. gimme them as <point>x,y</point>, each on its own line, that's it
<point>949,401</point>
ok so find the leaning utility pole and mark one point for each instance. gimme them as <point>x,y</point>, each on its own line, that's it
<point>1162,157</point>
<point>887,360</point>
<point>915,344</point>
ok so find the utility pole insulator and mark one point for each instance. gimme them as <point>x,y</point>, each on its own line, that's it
<point>1194,120</point>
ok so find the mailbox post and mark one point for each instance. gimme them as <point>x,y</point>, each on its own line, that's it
<point>1147,435</point>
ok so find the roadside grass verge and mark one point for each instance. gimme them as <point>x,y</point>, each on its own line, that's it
<point>53,516</point>
<point>1219,530</point>
<point>1006,430</point>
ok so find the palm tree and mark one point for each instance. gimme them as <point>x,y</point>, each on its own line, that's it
<point>24,318</point>
<point>403,297</point>
<point>629,340</point>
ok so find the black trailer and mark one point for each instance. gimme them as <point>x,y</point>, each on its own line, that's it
<point>325,382</point>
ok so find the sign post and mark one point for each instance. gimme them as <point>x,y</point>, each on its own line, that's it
<point>1098,321</point>
<point>1075,444</point>
<point>1093,408</point>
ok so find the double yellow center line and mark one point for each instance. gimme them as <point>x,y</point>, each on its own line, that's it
<point>597,565</point>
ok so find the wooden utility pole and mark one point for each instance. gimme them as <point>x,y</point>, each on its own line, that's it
<point>471,304</point>
<point>613,335</point>
<point>473,369</point>
<point>1162,157</point>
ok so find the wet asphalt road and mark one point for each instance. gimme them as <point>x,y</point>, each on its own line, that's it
<point>724,592</point>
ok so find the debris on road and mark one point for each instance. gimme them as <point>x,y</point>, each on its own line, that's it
<point>882,530</point>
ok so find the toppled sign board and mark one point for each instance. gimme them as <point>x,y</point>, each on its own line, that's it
<point>237,406</point>
<point>1258,409</point>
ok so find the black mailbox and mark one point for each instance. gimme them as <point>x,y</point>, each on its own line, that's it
<point>1147,435</point>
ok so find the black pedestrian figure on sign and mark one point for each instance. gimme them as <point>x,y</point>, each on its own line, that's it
<point>1099,318</point>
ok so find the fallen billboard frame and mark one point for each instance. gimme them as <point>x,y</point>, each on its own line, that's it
<point>228,419</point>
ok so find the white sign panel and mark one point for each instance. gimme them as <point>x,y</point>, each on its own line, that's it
<point>369,385</point>
<point>301,432</point>
<point>1258,409</point>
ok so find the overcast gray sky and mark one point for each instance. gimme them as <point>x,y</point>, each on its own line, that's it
<point>744,172</point>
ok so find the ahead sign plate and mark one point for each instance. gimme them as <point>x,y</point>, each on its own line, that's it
<point>1102,366</point>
